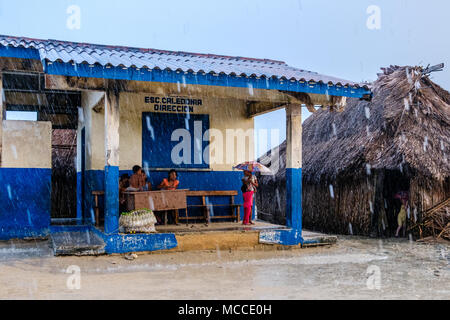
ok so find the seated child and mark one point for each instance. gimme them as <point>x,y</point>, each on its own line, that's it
<point>148,184</point>
<point>171,183</point>
<point>137,180</point>
<point>124,184</point>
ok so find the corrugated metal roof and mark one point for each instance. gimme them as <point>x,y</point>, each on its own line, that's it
<point>128,57</point>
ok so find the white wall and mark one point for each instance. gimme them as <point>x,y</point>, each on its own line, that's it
<point>224,114</point>
<point>26,144</point>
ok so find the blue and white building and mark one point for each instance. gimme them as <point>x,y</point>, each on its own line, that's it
<point>128,104</point>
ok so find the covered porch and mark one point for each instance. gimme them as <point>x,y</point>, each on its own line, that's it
<point>166,110</point>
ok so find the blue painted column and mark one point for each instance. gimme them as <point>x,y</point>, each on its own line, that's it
<point>2,111</point>
<point>294,167</point>
<point>81,158</point>
<point>112,118</point>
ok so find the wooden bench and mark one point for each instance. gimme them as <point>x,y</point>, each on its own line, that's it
<point>235,208</point>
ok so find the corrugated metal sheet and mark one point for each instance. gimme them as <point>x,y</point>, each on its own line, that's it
<point>127,57</point>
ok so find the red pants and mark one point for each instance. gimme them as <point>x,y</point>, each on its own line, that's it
<point>248,206</point>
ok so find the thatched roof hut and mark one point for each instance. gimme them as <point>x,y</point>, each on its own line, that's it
<point>354,161</point>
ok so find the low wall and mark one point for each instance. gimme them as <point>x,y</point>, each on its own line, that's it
<point>25,180</point>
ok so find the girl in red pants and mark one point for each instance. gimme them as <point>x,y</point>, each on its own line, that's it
<point>249,188</point>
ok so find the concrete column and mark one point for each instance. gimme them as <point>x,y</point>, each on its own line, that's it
<point>93,116</point>
<point>81,159</point>
<point>294,166</point>
<point>112,119</point>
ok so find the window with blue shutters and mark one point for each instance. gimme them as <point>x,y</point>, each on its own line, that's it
<point>175,140</point>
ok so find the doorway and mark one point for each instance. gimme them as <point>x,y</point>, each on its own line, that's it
<point>394,182</point>
<point>64,175</point>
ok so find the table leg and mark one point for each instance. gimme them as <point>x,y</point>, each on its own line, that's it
<point>165,217</point>
<point>233,208</point>
<point>97,212</point>
<point>206,210</point>
<point>207,215</point>
<point>177,214</point>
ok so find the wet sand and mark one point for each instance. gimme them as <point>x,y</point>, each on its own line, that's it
<point>407,270</point>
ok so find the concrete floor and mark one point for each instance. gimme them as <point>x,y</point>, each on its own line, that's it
<point>217,226</point>
<point>354,268</point>
<point>231,235</point>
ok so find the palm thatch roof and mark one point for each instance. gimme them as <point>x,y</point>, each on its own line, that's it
<point>406,126</point>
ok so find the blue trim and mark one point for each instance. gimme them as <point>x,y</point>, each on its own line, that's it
<point>111,200</point>
<point>79,197</point>
<point>25,202</point>
<point>95,181</point>
<point>311,241</point>
<point>124,243</point>
<point>294,198</point>
<point>157,131</point>
<point>167,76</point>
<point>285,237</point>
<point>22,53</point>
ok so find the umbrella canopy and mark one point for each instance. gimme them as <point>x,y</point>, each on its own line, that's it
<point>252,166</point>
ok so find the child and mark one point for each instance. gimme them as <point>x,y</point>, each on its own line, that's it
<point>248,190</point>
<point>137,180</point>
<point>171,183</point>
<point>124,184</point>
<point>148,184</point>
<point>401,219</point>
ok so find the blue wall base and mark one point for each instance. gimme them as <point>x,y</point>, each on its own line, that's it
<point>289,237</point>
<point>294,198</point>
<point>16,232</point>
<point>111,200</point>
<point>25,203</point>
<point>125,243</point>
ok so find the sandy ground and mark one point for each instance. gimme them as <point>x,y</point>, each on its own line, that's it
<point>354,268</point>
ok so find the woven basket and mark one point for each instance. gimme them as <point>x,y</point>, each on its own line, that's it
<point>138,221</point>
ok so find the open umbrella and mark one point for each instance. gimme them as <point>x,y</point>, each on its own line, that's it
<point>252,166</point>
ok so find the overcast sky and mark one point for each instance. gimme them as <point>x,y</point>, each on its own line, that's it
<point>326,36</point>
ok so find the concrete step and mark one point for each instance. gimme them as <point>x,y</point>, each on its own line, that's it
<point>77,243</point>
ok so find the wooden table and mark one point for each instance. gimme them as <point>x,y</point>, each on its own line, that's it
<point>157,201</point>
